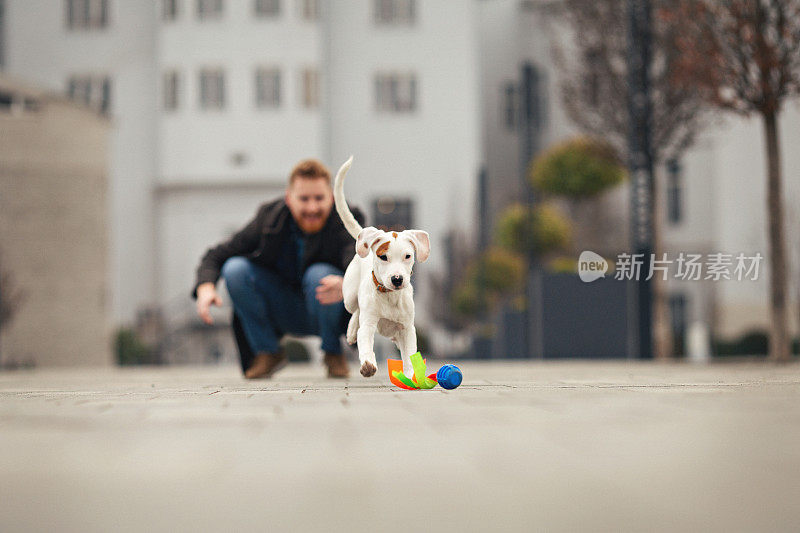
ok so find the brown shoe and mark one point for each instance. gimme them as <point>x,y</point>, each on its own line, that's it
<point>337,365</point>
<point>265,364</point>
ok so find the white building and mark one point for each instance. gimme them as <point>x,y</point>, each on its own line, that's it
<point>213,101</point>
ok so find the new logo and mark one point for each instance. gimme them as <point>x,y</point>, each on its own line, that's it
<point>591,266</point>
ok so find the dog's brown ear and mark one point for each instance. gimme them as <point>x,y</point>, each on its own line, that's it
<point>366,238</point>
<point>421,242</point>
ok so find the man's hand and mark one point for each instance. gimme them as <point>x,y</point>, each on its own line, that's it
<point>206,297</point>
<point>329,290</point>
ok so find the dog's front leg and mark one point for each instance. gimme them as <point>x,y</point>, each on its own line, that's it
<point>352,328</point>
<point>366,353</point>
<point>407,343</point>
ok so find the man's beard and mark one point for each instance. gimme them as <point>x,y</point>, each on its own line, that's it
<point>312,224</point>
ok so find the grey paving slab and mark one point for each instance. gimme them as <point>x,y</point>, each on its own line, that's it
<point>528,446</point>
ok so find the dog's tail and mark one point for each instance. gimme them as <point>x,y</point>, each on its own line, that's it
<point>350,222</point>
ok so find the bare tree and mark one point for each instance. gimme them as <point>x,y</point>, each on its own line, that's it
<point>744,56</point>
<point>594,79</point>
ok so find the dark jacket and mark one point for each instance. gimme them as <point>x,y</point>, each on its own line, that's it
<point>261,240</point>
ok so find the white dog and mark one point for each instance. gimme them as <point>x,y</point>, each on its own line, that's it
<point>377,284</point>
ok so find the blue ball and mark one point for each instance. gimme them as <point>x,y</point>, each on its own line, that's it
<point>449,376</point>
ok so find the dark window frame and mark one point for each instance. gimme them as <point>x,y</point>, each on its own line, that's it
<point>86,14</point>
<point>267,8</point>
<point>394,12</point>
<point>675,192</point>
<point>212,98</point>
<point>266,78</point>
<point>396,93</point>
<point>393,213</point>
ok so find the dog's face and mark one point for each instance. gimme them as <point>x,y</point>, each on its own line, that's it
<point>394,254</point>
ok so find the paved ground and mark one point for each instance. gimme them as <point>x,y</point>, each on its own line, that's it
<point>518,447</point>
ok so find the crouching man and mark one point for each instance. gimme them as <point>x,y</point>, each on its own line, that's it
<point>283,272</point>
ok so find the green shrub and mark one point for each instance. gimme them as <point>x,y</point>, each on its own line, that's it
<point>501,270</point>
<point>494,273</point>
<point>542,229</point>
<point>466,299</point>
<point>563,265</point>
<point>577,168</point>
<point>751,343</point>
<point>130,350</point>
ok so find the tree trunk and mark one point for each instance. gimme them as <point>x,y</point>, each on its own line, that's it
<point>778,335</point>
<point>662,326</point>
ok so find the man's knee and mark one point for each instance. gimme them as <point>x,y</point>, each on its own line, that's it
<point>235,272</point>
<point>316,272</point>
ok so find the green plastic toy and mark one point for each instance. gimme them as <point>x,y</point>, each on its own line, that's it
<point>420,381</point>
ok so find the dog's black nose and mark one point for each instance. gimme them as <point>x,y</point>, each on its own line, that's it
<point>397,280</point>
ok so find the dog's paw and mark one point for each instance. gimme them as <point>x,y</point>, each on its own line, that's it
<point>351,338</point>
<point>368,369</point>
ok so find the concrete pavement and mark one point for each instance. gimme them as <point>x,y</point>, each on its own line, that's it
<point>523,446</point>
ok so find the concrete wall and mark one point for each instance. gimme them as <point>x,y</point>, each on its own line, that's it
<point>54,232</point>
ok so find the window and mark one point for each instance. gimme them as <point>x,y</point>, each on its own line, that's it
<point>94,91</point>
<point>268,87</point>
<point>509,106</point>
<point>395,12</point>
<point>209,9</point>
<point>268,8</point>
<point>309,10</point>
<point>16,104</point>
<point>679,312</point>
<point>6,100</point>
<point>212,88</point>
<point>674,192</point>
<point>392,214</point>
<point>171,90</point>
<point>169,10</point>
<point>396,93</point>
<point>309,85</point>
<point>87,14</point>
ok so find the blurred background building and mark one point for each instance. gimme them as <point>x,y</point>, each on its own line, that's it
<point>213,102</point>
<point>712,199</point>
<point>53,229</point>
<point>209,103</point>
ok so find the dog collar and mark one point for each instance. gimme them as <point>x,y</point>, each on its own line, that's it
<point>380,287</point>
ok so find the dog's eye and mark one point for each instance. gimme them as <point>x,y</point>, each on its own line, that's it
<point>408,256</point>
<point>382,257</point>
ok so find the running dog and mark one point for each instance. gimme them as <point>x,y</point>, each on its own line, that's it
<point>377,284</point>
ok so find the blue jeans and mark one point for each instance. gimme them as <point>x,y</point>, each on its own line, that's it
<point>269,307</point>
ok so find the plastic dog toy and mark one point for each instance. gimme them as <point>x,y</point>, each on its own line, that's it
<point>449,376</point>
